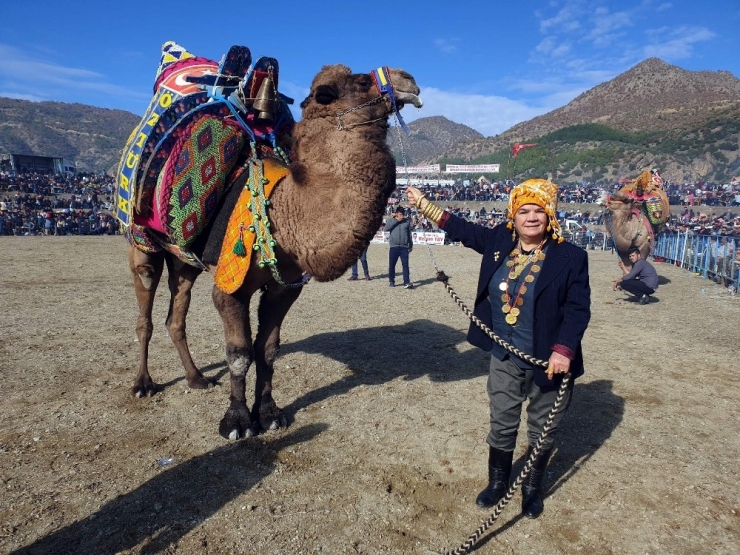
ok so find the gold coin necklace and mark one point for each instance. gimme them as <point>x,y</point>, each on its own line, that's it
<point>519,260</point>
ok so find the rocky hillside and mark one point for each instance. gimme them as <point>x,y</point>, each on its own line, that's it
<point>654,114</point>
<point>92,137</point>
<point>430,137</point>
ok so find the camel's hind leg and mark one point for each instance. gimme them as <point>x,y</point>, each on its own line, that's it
<point>147,271</point>
<point>181,278</point>
<point>274,305</point>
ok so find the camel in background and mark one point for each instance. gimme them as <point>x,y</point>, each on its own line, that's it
<point>635,213</point>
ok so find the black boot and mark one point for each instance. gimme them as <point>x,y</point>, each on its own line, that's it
<point>532,502</point>
<point>499,473</point>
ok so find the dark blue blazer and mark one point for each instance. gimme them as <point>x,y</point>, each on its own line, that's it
<point>562,302</point>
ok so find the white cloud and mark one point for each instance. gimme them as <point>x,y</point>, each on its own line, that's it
<point>21,72</point>
<point>676,43</point>
<point>448,46</point>
<point>21,96</point>
<point>553,47</point>
<point>489,115</point>
<point>566,20</point>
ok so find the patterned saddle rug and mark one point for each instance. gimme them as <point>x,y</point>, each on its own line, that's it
<point>647,190</point>
<point>185,154</point>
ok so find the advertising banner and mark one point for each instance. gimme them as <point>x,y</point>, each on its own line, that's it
<point>434,168</point>
<point>418,237</point>
<point>475,168</point>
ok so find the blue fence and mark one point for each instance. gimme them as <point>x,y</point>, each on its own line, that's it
<point>714,257</point>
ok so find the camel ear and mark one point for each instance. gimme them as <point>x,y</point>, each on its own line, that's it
<point>325,94</point>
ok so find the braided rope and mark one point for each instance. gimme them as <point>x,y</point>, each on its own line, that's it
<point>468,544</point>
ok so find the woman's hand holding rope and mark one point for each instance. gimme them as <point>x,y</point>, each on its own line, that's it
<point>558,364</point>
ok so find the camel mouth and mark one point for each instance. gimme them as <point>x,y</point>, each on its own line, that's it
<point>404,98</point>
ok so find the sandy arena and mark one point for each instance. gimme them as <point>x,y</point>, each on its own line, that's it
<point>386,448</point>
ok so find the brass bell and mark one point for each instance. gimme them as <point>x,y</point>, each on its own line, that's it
<point>265,103</point>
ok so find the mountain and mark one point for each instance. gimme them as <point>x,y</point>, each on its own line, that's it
<point>92,137</point>
<point>655,114</point>
<point>686,123</point>
<point>429,138</point>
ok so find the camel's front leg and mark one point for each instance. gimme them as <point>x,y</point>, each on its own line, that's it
<point>181,280</point>
<point>234,313</point>
<point>147,271</point>
<point>274,305</point>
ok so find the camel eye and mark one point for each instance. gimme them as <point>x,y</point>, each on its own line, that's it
<point>325,94</point>
<point>365,81</point>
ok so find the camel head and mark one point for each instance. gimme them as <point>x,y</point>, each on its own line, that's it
<point>354,99</point>
<point>616,202</point>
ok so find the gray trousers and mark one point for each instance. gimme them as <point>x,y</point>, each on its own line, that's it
<point>508,387</point>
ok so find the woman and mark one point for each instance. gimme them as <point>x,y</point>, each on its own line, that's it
<point>533,292</point>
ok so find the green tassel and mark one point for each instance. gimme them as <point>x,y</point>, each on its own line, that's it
<point>239,249</point>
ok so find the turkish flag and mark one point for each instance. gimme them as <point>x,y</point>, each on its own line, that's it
<point>517,147</point>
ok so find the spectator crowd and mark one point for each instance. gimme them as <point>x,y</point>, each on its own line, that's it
<point>41,204</point>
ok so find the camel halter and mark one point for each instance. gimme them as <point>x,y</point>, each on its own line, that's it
<point>382,79</point>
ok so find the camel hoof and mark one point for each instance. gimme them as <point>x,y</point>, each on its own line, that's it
<point>140,392</point>
<point>235,423</point>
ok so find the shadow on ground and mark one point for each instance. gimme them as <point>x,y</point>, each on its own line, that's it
<point>381,354</point>
<point>164,509</point>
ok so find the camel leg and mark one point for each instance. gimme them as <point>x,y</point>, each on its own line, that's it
<point>234,313</point>
<point>147,271</point>
<point>181,278</point>
<point>274,305</point>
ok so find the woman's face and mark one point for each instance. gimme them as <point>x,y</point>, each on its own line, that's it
<point>530,223</point>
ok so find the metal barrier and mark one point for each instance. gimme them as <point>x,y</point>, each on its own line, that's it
<point>590,240</point>
<point>714,257</point>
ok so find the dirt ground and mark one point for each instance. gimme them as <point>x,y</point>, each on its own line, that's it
<point>386,448</point>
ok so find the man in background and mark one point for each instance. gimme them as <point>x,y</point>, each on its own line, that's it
<point>641,280</point>
<point>401,245</point>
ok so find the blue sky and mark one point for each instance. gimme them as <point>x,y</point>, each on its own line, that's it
<point>487,64</point>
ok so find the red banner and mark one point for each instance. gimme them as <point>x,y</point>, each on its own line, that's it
<point>517,147</point>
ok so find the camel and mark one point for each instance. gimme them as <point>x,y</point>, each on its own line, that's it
<point>635,213</point>
<point>627,227</point>
<point>323,214</point>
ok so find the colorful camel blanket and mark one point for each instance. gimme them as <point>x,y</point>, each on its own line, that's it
<point>651,200</point>
<point>171,86</point>
<point>248,227</point>
<point>182,158</point>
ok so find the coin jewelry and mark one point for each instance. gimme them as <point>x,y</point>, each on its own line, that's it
<point>519,260</point>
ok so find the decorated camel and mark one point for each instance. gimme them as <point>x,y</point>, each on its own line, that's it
<point>635,213</point>
<point>322,211</point>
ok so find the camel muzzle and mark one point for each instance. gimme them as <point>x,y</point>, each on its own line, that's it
<point>382,78</point>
